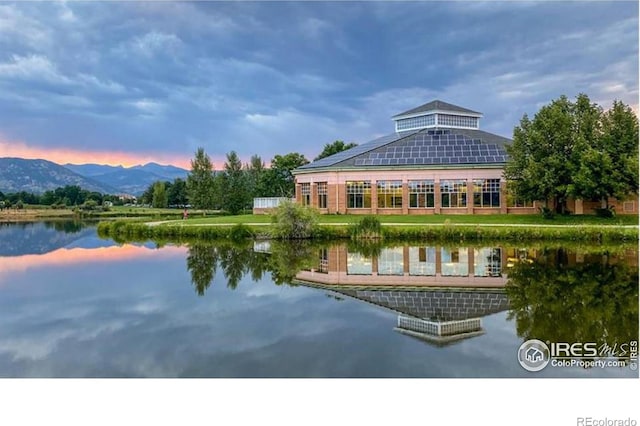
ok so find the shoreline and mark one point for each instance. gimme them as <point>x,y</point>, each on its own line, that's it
<point>389,232</point>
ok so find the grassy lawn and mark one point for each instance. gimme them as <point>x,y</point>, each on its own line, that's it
<point>430,219</point>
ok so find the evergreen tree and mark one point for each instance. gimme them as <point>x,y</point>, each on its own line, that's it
<point>160,199</point>
<point>235,185</point>
<point>200,181</point>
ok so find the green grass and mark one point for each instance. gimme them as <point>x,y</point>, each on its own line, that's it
<point>431,219</point>
<point>453,233</point>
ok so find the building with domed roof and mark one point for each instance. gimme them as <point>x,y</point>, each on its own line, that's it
<point>437,161</point>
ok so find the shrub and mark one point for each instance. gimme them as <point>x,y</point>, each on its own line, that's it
<point>546,212</point>
<point>89,205</point>
<point>293,221</point>
<point>239,232</point>
<point>607,212</point>
<point>368,227</point>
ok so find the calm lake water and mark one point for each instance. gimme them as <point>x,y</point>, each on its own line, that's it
<point>75,305</point>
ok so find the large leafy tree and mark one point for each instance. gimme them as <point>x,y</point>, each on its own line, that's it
<point>177,192</point>
<point>200,181</point>
<point>334,148</point>
<point>541,150</point>
<point>574,149</point>
<point>609,167</point>
<point>278,181</point>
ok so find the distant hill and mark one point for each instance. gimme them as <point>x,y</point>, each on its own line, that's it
<point>38,176</point>
<point>90,170</point>
<point>171,172</point>
<point>130,180</point>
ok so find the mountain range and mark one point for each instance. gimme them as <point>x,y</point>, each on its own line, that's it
<point>38,176</point>
<point>129,180</point>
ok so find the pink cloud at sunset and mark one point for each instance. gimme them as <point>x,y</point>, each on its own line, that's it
<point>75,156</point>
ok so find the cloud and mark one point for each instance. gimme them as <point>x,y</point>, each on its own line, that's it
<point>32,67</point>
<point>169,77</point>
<point>80,156</point>
<point>150,44</point>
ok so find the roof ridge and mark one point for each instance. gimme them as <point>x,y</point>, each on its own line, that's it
<point>435,105</point>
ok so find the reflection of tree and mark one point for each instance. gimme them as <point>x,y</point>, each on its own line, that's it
<point>290,257</point>
<point>595,301</point>
<point>66,226</point>
<point>234,261</point>
<point>367,248</point>
<point>202,262</point>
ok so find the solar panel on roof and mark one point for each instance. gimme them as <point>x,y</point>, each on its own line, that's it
<point>360,149</point>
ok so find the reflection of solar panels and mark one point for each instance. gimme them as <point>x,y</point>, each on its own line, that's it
<point>360,149</point>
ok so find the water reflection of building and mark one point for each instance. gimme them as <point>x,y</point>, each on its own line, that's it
<point>439,293</point>
<point>410,266</point>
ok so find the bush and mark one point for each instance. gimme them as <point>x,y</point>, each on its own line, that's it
<point>368,227</point>
<point>546,212</point>
<point>607,212</point>
<point>239,232</point>
<point>89,205</point>
<point>292,221</point>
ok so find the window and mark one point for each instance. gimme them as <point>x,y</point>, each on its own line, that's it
<point>421,194</point>
<point>391,261</point>
<point>359,194</point>
<point>358,264</point>
<point>422,261</point>
<point>453,193</point>
<point>454,262</point>
<point>486,193</point>
<point>305,190</point>
<point>416,122</point>
<point>457,121</point>
<point>514,201</point>
<point>323,261</point>
<point>487,262</point>
<point>389,194</point>
<point>322,194</point>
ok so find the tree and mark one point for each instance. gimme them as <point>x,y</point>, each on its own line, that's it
<point>200,181</point>
<point>540,154</point>
<point>574,150</point>
<point>177,193</point>
<point>254,171</point>
<point>609,168</point>
<point>278,180</point>
<point>235,191</point>
<point>334,148</point>
<point>147,195</point>
<point>160,199</point>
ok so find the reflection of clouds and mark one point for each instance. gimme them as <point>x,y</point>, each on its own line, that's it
<point>142,319</point>
<point>40,345</point>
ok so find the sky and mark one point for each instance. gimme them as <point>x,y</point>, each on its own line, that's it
<point>132,82</point>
